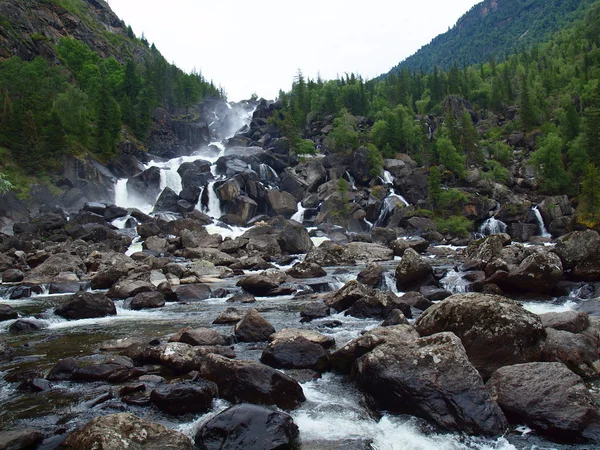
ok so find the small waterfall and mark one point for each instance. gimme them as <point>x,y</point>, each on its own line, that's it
<point>455,283</point>
<point>429,132</point>
<point>540,221</point>
<point>389,204</point>
<point>390,282</point>
<point>351,180</point>
<point>169,178</point>
<point>369,224</point>
<point>299,216</point>
<point>126,199</point>
<point>399,197</point>
<point>214,204</point>
<point>492,226</point>
<point>387,177</point>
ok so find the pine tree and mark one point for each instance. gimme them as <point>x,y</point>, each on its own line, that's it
<point>588,210</point>
<point>55,141</point>
<point>526,112</point>
<point>435,185</point>
<point>28,150</point>
<point>548,164</point>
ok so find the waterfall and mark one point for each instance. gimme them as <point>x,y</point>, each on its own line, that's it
<point>492,226</point>
<point>214,204</point>
<point>369,224</point>
<point>299,216</point>
<point>126,199</point>
<point>455,283</point>
<point>540,221</point>
<point>387,177</point>
<point>351,180</point>
<point>169,178</point>
<point>389,204</point>
<point>399,197</point>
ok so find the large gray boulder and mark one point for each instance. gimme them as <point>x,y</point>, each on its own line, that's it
<point>283,203</point>
<point>87,305</point>
<point>430,378</point>
<point>184,397</point>
<point>494,330</point>
<point>413,271</point>
<point>253,328</point>
<point>537,273</point>
<point>574,247</point>
<point>549,398</point>
<point>578,351</point>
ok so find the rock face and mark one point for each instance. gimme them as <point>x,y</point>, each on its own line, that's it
<point>549,398</point>
<point>412,272</point>
<point>495,331</point>
<point>253,328</point>
<point>574,247</point>
<point>126,431</point>
<point>537,273</point>
<point>184,397</point>
<point>430,378</point>
<point>247,381</point>
<point>578,351</point>
<point>248,426</point>
<point>86,305</point>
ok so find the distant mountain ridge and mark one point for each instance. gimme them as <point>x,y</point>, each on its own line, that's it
<point>493,28</point>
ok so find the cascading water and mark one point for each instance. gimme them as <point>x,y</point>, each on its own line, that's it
<point>389,204</point>
<point>492,226</point>
<point>351,180</point>
<point>455,283</point>
<point>387,177</point>
<point>299,215</point>
<point>540,221</point>
<point>214,204</point>
<point>399,197</point>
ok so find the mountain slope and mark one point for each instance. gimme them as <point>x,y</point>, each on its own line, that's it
<point>493,28</point>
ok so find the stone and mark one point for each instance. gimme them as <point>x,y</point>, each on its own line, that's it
<point>578,351</point>
<point>125,430</point>
<point>6,351</point>
<point>537,273</point>
<point>12,276</point>
<point>283,203</point>
<point>315,310</point>
<point>371,276</point>
<point>547,397</point>
<point>63,370</point>
<point>147,300</point>
<point>87,305</point>
<point>326,342</point>
<point>395,317</point>
<point>253,328</point>
<point>202,336</point>
<point>575,247</point>
<point>295,353</point>
<point>193,292</point>
<point>345,297</point>
<point>20,439</point>
<point>260,285</point>
<point>399,246</point>
<point>248,426</point>
<point>179,356</point>
<point>572,321</point>
<point>7,313</point>
<point>412,272</point>
<point>129,288</point>
<point>184,397</point>
<point>251,382</point>
<point>229,316</point>
<point>303,270</point>
<point>494,330</point>
<point>378,305</point>
<point>25,326</point>
<point>430,378</point>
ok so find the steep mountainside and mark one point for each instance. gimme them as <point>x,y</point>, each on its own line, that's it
<point>493,28</point>
<point>29,28</point>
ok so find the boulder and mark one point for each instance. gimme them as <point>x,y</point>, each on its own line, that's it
<point>295,353</point>
<point>201,336</point>
<point>329,254</point>
<point>283,203</point>
<point>367,252</point>
<point>326,342</point>
<point>430,378</point>
<point>125,430</point>
<point>248,426</point>
<point>7,313</point>
<point>184,397</point>
<point>395,317</point>
<point>345,297</point>
<point>378,305</point>
<point>248,381</point>
<point>488,248</point>
<point>129,288</point>
<point>63,370</point>
<point>6,352</point>
<point>179,356</point>
<point>53,266</point>
<point>292,237</point>
<point>260,285</point>
<point>117,369</point>
<point>575,247</point>
<point>229,316</point>
<point>147,300</point>
<point>193,292</point>
<point>217,257</point>
<point>494,330</point>
<point>253,328</point>
<point>303,270</point>
<point>399,246</point>
<point>12,276</point>
<point>578,351</point>
<point>371,276</point>
<point>87,305</point>
<point>588,269</point>
<point>418,300</point>
<point>412,272</point>
<point>572,321</point>
<point>315,310</point>
<point>537,273</point>
<point>549,398</point>
<point>20,439</point>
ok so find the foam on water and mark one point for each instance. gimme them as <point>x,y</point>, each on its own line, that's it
<point>547,307</point>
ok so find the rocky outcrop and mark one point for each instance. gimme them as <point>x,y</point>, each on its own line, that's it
<point>86,305</point>
<point>184,397</point>
<point>412,272</point>
<point>253,328</point>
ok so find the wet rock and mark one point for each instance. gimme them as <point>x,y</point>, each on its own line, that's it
<point>430,378</point>
<point>247,381</point>
<point>179,356</point>
<point>292,237</point>
<point>129,288</point>
<point>343,358</point>
<point>7,313</point>
<point>193,292</point>
<point>283,203</point>
<point>383,236</point>
<point>117,369</point>
<point>575,247</point>
<point>6,352</point>
<point>156,244</point>
<point>329,254</point>
<point>371,276</point>
<point>295,353</point>
<point>345,297</point>
<point>314,310</point>
<point>202,336</point>
<point>63,370</point>
<point>251,263</point>
<point>242,297</point>
<point>34,385</point>
<point>111,267</point>
<point>549,398</point>
<point>12,276</point>
<point>303,270</point>
<point>87,305</point>
<point>22,326</point>
<point>261,285</point>
<point>147,300</point>
<point>412,272</point>
<point>148,229</point>
<point>114,212</point>
<point>395,317</point>
<point>537,273</point>
<point>578,351</point>
<point>20,439</point>
<point>248,426</point>
<point>125,430</point>
<point>184,397</point>
<point>326,342</point>
<point>218,258</point>
<point>253,328</point>
<point>418,300</point>
<point>572,321</point>
<point>378,305</point>
<point>229,316</point>
<point>488,248</point>
<point>494,330</point>
<point>399,246</point>
<point>54,265</point>
<point>588,269</point>
<point>366,252</point>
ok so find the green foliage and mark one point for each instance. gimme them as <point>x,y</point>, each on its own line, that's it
<point>588,210</point>
<point>451,201</point>
<point>344,135</point>
<point>458,226</point>
<point>375,161</point>
<point>548,165</point>
<point>435,185</point>
<point>496,171</point>
<point>449,156</point>
<point>5,185</point>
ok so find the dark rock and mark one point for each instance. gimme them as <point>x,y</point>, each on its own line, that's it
<point>295,353</point>
<point>114,212</point>
<point>430,378</point>
<point>572,321</point>
<point>588,269</point>
<point>25,326</point>
<point>253,328</point>
<point>412,272</point>
<point>242,297</point>
<point>63,370</point>
<point>147,300</point>
<point>283,203</point>
<point>202,336</point>
<point>292,237</point>
<point>537,273</point>
<point>314,310</point>
<point>129,288</point>
<point>379,305</point>
<point>6,352</point>
<point>86,305</point>
<point>184,397</point>
<point>12,276</point>
<point>193,292</point>
<point>125,430</point>
<point>7,313</point>
<point>494,330</point>
<point>247,381</point>
<point>20,439</point>
<point>395,317</point>
<point>167,201</point>
<point>303,270</point>
<point>248,426</point>
<point>229,316</point>
<point>145,185</point>
<point>578,351</point>
<point>420,301</point>
<point>345,297</point>
<point>547,397</point>
<point>178,356</point>
<point>260,285</point>
<point>371,276</point>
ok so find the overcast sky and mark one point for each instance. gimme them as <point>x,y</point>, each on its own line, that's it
<point>258,46</point>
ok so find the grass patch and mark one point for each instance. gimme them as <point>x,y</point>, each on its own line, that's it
<point>458,226</point>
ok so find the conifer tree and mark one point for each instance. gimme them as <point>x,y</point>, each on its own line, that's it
<point>588,210</point>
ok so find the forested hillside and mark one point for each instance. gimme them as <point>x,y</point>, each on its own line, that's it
<point>493,29</point>
<point>80,81</point>
<point>479,126</point>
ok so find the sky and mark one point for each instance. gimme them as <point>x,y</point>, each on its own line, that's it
<point>258,46</point>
